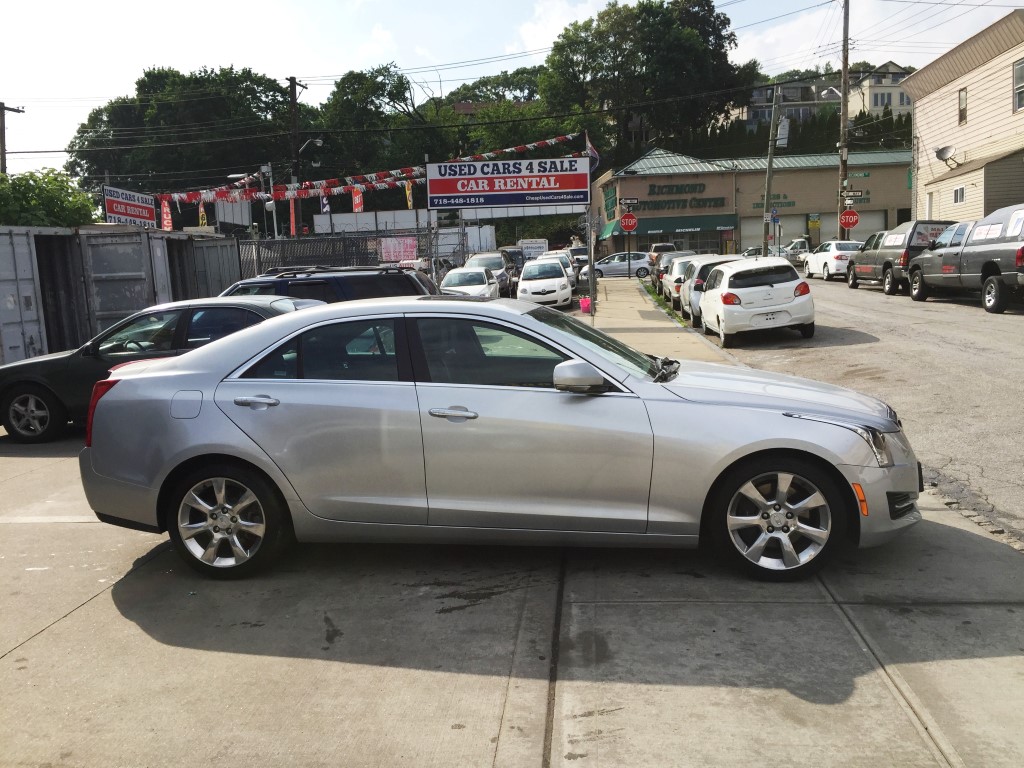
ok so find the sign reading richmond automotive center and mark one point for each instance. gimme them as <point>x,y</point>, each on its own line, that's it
<point>491,183</point>
<point>123,207</point>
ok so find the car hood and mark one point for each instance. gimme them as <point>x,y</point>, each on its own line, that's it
<point>51,360</point>
<point>547,283</point>
<point>747,388</point>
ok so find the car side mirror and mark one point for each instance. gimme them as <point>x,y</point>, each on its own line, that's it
<point>679,281</point>
<point>698,285</point>
<point>580,377</point>
<point>92,349</point>
<point>932,245</point>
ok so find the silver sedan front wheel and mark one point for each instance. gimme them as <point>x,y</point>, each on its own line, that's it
<point>228,521</point>
<point>779,519</point>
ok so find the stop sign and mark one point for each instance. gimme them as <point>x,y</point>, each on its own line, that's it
<point>628,222</point>
<point>849,219</point>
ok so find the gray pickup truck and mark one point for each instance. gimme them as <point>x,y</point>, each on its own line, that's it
<point>985,255</point>
<point>884,257</point>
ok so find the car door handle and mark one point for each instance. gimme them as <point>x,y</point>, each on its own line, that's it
<point>258,402</point>
<point>455,412</point>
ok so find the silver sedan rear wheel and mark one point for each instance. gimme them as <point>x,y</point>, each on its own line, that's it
<point>779,519</point>
<point>228,522</point>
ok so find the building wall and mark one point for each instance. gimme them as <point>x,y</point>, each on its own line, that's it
<point>945,207</point>
<point>991,129</point>
<point>1004,182</point>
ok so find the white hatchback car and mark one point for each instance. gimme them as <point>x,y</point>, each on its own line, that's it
<point>830,258</point>
<point>543,281</point>
<point>753,294</point>
<point>470,281</point>
<point>563,258</point>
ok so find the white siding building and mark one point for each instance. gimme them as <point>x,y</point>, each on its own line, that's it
<point>969,125</point>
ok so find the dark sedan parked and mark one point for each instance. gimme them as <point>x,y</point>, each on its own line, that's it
<point>38,396</point>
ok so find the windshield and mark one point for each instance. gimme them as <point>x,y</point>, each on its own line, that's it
<point>610,349</point>
<point>491,262</point>
<point>455,279</point>
<point>542,270</point>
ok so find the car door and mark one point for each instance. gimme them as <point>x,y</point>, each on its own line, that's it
<point>496,435</point>
<point>709,301</point>
<point>862,259</point>
<point>336,409</point>
<point>145,336</point>
<point>952,257</point>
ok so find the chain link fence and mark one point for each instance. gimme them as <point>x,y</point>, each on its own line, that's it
<point>349,249</point>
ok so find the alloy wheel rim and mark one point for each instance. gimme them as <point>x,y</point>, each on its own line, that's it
<point>990,295</point>
<point>29,415</point>
<point>221,522</point>
<point>779,521</point>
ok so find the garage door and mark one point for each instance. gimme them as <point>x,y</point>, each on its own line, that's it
<point>790,226</point>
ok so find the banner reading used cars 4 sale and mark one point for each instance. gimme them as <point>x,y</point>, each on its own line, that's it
<point>124,207</point>
<point>561,181</point>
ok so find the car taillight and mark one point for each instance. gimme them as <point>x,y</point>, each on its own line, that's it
<point>731,298</point>
<point>841,257</point>
<point>677,287</point>
<point>1020,257</point>
<point>99,389</point>
<point>904,259</point>
<point>802,289</point>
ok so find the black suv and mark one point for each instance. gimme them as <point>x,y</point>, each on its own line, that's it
<point>332,284</point>
<point>885,256</point>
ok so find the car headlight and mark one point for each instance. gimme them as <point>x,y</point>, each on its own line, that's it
<point>874,437</point>
<point>563,286</point>
<point>523,289</point>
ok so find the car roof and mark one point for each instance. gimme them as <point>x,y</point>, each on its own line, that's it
<point>740,265</point>
<point>232,301</point>
<point>704,258</point>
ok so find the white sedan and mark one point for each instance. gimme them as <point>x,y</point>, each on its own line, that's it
<point>749,295</point>
<point>544,281</point>
<point>470,281</point>
<point>830,258</point>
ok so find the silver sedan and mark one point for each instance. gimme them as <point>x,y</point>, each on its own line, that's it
<point>382,420</point>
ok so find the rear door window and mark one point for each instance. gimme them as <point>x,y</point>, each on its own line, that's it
<point>374,286</point>
<point>212,323</point>
<point>311,289</point>
<point>754,278</point>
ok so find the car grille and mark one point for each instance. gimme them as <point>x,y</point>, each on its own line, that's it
<point>900,505</point>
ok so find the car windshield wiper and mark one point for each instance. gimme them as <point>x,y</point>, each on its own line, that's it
<point>668,366</point>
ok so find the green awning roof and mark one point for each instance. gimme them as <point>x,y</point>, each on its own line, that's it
<point>673,225</point>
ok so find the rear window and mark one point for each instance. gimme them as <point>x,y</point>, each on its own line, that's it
<point>311,289</point>
<point>705,269</point>
<point>376,286</point>
<point>847,246</point>
<point>753,278</point>
<point>490,262</point>
<point>250,289</point>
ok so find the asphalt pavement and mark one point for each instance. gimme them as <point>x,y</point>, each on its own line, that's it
<point>113,653</point>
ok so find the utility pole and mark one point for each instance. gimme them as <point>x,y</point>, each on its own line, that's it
<point>844,115</point>
<point>773,137</point>
<point>293,100</point>
<point>4,109</point>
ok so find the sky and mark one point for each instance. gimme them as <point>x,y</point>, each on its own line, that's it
<point>63,58</point>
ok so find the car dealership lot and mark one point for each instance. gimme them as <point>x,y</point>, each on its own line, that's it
<point>114,653</point>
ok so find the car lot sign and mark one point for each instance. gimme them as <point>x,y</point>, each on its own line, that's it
<point>121,206</point>
<point>499,183</point>
<point>849,219</point>
<point>628,222</point>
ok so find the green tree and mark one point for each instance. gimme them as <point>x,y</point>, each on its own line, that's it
<point>658,69</point>
<point>180,131</point>
<point>45,199</point>
<point>520,85</point>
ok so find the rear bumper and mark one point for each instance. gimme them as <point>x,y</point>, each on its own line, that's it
<point>116,502</point>
<point>740,320</point>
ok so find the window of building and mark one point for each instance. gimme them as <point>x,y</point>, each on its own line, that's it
<point>904,99</point>
<point>963,106</point>
<point>897,78</point>
<point>959,194</point>
<point>877,79</point>
<point>882,99</point>
<point>1018,86</point>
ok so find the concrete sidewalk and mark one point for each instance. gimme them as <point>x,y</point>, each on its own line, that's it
<point>626,311</point>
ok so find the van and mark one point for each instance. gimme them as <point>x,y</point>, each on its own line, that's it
<point>885,256</point>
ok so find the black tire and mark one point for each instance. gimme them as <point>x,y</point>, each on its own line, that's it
<point>807,269</point>
<point>889,285</point>
<point>642,272</point>
<point>598,273</point>
<point>993,295</point>
<point>227,541</point>
<point>851,277</point>
<point>727,340</point>
<point>807,330</point>
<point>33,414</point>
<point>918,287</point>
<point>765,537</point>
<point>696,320</point>
<point>825,273</point>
